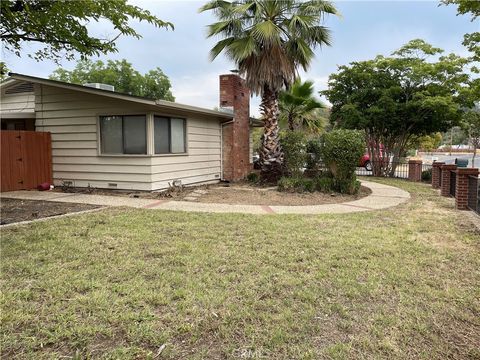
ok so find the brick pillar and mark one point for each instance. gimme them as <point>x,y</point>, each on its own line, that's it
<point>461,189</point>
<point>436,174</point>
<point>236,136</point>
<point>415,170</point>
<point>446,169</point>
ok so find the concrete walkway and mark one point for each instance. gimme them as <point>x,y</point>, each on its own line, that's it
<point>382,197</point>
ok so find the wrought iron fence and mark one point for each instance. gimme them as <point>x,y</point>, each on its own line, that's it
<point>453,183</point>
<point>474,193</point>
<point>397,169</point>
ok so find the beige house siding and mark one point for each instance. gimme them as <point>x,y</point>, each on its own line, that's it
<point>17,103</point>
<point>72,118</point>
<point>202,164</point>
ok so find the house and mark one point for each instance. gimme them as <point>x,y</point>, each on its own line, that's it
<point>105,139</point>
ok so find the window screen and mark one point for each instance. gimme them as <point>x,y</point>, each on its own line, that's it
<point>134,135</point>
<point>161,135</point>
<point>123,134</point>
<point>169,135</point>
<point>111,134</point>
<point>178,135</point>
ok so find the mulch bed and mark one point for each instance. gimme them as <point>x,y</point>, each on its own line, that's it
<point>241,193</point>
<point>16,210</point>
<point>249,195</point>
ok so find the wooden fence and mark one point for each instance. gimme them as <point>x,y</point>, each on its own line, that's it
<point>26,159</point>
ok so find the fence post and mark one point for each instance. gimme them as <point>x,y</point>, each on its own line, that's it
<point>446,169</point>
<point>415,170</point>
<point>436,174</point>
<point>461,190</point>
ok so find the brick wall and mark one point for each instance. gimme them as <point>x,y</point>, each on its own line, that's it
<point>436,174</point>
<point>446,170</point>
<point>227,151</point>
<point>461,187</point>
<point>415,170</point>
<point>236,136</point>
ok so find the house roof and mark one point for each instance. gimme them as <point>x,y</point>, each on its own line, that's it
<point>169,105</point>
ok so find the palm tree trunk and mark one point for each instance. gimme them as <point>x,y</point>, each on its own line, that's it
<point>271,154</point>
<point>291,125</point>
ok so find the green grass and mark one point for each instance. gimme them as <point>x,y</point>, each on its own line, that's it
<point>118,284</point>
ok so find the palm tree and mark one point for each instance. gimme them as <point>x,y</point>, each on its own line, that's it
<point>299,108</point>
<point>269,40</point>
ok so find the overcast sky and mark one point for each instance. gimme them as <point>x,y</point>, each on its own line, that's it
<point>365,29</point>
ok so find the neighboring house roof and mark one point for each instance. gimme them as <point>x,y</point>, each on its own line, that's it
<point>137,99</point>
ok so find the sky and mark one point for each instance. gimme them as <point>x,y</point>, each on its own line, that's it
<point>364,30</point>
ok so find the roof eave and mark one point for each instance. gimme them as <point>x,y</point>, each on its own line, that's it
<point>160,103</point>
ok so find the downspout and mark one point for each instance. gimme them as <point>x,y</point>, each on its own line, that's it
<point>221,147</point>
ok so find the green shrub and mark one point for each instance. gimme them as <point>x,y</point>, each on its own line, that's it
<point>293,145</point>
<point>324,184</point>
<point>287,184</point>
<point>314,153</point>
<point>347,187</point>
<point>308,185</point>
<point>427,175</point>
<point>341,151</point>
<point>296,184</point>
<point>253,177</point>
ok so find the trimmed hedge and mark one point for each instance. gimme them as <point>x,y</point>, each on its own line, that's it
<point>341,151</point>
<point>293,146</point>
<point>314,151</point>
<point>296,184</point>
<point>325,184</point>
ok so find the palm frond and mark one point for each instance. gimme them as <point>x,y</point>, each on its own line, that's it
<point>269,40</point>
<point>299,105</point>
<point>266,33</point>
<point>242,48</point>
<point>214,4</point>
<point>220,46</point>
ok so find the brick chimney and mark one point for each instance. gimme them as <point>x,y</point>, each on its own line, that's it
<point>235,96</point>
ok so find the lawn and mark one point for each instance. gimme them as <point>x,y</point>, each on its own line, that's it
<point>121,283</point>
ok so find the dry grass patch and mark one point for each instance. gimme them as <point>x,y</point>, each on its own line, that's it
<point>121,283</point>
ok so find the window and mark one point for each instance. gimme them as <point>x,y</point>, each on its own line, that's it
<point>123,134</point>
<point>169,135</point>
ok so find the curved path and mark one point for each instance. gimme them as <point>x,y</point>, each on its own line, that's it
<point>382,197</point>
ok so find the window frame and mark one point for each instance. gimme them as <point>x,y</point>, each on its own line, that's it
<point>99,136</point>
<point>149,134</point>
<point>185,142</point>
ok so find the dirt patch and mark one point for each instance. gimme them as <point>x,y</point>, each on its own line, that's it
<point>16,210</point>
<point>175,193</point>
<point>248,195</point>
<point>241,193</point>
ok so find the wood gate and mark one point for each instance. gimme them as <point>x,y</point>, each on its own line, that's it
<point>26,159</point>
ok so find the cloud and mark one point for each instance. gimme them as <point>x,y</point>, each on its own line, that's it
<point>197,89</point>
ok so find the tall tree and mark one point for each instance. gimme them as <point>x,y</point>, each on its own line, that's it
<point>414,92</point>
<point>121,74</point>
<point>61,26</point>
<point>269,40</point>
<point>472,7</point>
<point>3,70</point>
<point>472,43</point>
<point>471,124</point>
<point>299,107</point>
